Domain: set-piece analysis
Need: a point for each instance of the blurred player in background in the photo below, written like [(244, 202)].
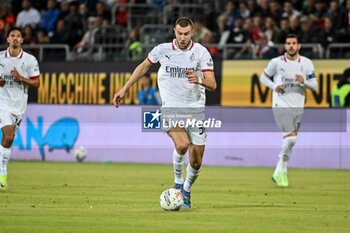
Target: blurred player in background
[(186, 70), (291, 74), (147, 95), (18, 71), (341, 92)]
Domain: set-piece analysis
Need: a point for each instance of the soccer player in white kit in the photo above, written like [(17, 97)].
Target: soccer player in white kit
[(18, 71), (292, 74), (186, 70)]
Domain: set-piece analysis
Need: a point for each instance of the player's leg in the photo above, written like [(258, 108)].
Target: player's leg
[(287, 147), (193, 170), (280, 174), (8, 134), (289, 123), (196, 152), (181, 143), (194, 166)]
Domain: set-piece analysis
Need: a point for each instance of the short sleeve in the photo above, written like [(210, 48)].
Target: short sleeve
[(154, 55), (206, 61), (34, 70), (270, 70)]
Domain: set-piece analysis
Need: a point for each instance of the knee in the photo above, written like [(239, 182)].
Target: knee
[(196, 163), (182, 147), (8, 140), (290, 134)]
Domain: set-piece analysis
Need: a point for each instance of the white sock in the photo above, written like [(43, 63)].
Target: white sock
[(284, 155), (191, 177), (179, 163), (278, 168), (5, 154)]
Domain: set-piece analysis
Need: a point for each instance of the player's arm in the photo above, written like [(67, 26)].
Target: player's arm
[(207, 68), (266, 78), (208, 81), (310, 81), (139, 71), (32, 82)]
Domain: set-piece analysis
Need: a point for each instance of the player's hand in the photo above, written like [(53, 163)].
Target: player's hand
[(299, 78), (118, 97), (15, 74), (280, 88), (2, 82), (192, 77)]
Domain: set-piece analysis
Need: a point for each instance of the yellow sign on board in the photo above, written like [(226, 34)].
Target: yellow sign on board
[(241, 85), (85, 88)]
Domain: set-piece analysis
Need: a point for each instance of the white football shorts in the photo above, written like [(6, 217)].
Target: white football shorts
[(288, 119), (197, 136), (7, 118)]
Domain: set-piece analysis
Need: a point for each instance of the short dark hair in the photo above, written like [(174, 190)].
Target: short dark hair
[(346, 73), (292, 35), (184, 21), (148, 76), (14, 29)]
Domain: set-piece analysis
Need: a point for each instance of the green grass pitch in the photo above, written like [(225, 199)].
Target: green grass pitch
[(49, 197)]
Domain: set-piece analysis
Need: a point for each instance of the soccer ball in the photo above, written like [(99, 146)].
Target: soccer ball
[(171, 199), (80, 153)]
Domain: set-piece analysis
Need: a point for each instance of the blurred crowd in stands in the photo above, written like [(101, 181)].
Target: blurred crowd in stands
[(83, 24)]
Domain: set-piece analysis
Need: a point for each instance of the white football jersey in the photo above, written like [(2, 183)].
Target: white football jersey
[(283, 71), (174, 87), (14, 95)]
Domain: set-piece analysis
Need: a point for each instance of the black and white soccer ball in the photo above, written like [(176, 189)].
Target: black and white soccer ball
[(80, 153)]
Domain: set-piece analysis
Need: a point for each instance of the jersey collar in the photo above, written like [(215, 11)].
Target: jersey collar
[(286, 59), (20, 55), (173, 44)]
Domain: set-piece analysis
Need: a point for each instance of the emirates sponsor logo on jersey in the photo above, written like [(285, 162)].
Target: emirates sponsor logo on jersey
[(288, 80), (10, 80), (177, 71)]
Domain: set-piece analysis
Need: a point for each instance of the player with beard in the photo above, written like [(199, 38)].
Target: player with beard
[(18, 71), (288, 76), (186, 71)]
